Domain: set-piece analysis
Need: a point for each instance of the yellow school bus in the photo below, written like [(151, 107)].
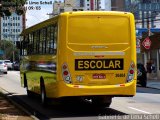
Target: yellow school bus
[(88, 55)]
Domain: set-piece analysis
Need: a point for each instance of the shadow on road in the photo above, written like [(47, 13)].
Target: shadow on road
[(81, 110), (63, 110)]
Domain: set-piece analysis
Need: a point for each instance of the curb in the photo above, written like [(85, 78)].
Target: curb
[(6, 95), (152, 87)]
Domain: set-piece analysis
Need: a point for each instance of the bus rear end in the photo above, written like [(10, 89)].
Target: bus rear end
[(97, 54)]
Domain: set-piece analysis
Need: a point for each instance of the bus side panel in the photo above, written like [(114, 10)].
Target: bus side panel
[(45, 70), (37, 67)]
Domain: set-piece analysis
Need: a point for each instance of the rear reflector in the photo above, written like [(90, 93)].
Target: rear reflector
[(131, 71), (64, 67), (132, 65), (66, 74), (122, 85)]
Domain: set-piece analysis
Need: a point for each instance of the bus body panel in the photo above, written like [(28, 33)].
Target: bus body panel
[(76, 47), (103, 62), (91, 44), (66, 90)]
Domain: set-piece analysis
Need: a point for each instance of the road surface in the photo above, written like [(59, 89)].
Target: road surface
[(146, 101)]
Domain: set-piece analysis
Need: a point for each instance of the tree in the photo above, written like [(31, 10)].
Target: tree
[(8, 47), (9, 6)]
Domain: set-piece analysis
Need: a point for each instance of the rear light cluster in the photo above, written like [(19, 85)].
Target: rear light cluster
[(5, 65), (66, 74), (131, 72)]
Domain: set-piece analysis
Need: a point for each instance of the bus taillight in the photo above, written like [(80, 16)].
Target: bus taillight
[(64, 66), (66, 74), (131, 72)]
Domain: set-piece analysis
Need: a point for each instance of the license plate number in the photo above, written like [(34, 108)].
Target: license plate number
[(99, 76)]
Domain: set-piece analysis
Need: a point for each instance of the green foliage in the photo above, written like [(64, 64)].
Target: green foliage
[(7, 13), (19, 12), (9, 6), (8, 47), (20, 2)]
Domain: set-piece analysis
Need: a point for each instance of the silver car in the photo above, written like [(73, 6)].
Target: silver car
[(9, 64), (3, 67)]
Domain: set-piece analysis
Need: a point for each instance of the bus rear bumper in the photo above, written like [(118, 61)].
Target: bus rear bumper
[(123, 90)]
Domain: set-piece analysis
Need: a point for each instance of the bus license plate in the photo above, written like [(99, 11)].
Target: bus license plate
[(99, 76)]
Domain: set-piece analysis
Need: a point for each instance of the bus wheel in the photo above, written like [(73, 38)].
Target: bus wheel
[(29, 94), (43, 92), (102, 101), (25, 81), (5, 72)]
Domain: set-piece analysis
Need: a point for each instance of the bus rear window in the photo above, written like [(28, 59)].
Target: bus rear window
[(98, 29)]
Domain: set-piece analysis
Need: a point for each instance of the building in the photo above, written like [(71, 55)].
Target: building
[(12, 26), (57, 8), (117, 5), (75, 5), (147, 14), (92, 4), (107, 5), (114, 5), (145, 11)]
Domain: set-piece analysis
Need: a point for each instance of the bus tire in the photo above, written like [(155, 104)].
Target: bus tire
[(29, 93), (102, 101), (25, 81), (43, 93)]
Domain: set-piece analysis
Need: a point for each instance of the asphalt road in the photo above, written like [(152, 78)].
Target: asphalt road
[(146, 101)]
